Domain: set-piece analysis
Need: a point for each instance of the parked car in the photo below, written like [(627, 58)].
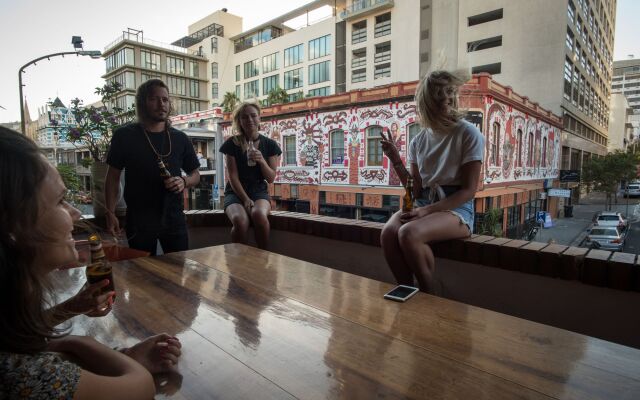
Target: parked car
[(632, 190), (610, 218), (605, 238)]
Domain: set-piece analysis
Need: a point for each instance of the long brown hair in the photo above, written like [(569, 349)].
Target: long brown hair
[(430, 96), (24, 288), (141, 99), (239, 138)]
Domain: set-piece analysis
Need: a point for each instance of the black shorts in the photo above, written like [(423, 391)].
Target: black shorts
[(255, 192)]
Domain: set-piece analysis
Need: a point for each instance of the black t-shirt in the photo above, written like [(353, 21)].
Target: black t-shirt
[(149, 204), (249, 176)]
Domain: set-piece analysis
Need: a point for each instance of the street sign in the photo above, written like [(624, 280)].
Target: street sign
[(559, 192), (540, 217), (569, 175)]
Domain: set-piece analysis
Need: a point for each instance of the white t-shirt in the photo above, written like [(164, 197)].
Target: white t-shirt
[(440, 156)]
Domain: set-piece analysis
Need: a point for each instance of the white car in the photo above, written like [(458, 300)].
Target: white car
[(632, 190), (611, 219), (605, 238)]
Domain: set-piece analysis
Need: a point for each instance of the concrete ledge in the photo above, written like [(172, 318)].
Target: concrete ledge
[(592, 267)]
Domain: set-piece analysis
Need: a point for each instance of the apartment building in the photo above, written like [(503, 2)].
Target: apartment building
[(132, 59), (626, 80), (620, 126)]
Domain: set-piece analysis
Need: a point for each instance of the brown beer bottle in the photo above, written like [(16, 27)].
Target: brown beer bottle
[(407, 200), (164, 172), (99, 269)]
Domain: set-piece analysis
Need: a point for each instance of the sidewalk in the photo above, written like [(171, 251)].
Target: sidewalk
[(572, 231)]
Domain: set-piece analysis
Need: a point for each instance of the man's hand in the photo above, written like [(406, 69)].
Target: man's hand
[(113, 225), (174, 184)]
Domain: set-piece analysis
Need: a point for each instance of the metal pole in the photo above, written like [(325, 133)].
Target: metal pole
[(90, 53)]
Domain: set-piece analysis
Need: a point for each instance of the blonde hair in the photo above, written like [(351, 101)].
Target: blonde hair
[(239, 139), (430, 97)]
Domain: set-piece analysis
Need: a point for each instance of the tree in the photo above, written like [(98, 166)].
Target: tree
[(229, 102), (492, 223), (94, 126), (604, 174), (69, 177), (277, 95)]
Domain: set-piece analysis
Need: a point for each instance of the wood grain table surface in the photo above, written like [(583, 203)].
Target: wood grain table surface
[(259, 325)]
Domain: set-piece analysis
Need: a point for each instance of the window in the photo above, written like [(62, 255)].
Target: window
[(485, 17), (293, 79), (238, 91), (382, 71), (483, 44), (494, 144), (544, 152), (175, 65), (568, 67), (492, 69), (270, 63), (177, 85), (571, 11), (127, 80), (214, 45), (294, 55), (194, 71), (569, 39), (319, 47), (295, 96), (359, 58), (145, 77), (576, 86), (121, 57), (359, 32), (383, 52), (358, 75), (323, 91), (374, 146), (383, 25), (337, 147), (412, 131), (269, 83), (289, 150), (519, 154), (251, 89), (530, 150), (214, 70), (251, 69), (214, 90), (237, 73), (319, 72), (194, 88), (150, 60)]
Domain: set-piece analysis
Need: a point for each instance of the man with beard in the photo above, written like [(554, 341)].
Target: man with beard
[(160, 164)]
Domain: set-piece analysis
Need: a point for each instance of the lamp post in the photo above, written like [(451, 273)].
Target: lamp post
[(77, 44)]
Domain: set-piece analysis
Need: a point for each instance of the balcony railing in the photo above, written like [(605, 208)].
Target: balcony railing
[(359, 8)]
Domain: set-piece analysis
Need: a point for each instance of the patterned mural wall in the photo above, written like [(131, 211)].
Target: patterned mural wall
[(342, 146)]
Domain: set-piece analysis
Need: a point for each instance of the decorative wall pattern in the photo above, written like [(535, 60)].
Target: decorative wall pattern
[(526, 148)]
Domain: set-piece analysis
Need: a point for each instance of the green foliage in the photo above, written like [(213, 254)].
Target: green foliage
[(277, 96), (603, 174), (229, 102), (69, 177), (492, 223), (94, 125)]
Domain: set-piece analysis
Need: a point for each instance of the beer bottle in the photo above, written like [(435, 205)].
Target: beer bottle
[(164, 172), (251, 149), (407, 200), (99, 269)]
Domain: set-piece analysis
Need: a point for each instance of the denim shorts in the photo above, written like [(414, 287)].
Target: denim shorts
[(255, 192), (464, 212)]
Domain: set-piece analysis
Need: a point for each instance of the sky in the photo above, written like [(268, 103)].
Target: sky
[(33, 28)]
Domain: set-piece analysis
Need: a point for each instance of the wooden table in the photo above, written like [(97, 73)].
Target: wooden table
[(258, 325)]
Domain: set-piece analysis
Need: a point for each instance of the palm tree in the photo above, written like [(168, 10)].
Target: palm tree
[(229, 101), (277, 96)]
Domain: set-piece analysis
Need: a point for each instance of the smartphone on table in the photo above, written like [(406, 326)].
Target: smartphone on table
[(401, 293)]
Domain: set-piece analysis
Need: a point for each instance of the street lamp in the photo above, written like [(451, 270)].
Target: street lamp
[(77, 44)]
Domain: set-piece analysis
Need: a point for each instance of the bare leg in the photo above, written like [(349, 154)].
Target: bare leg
[(393, 253), (240, 220), (414, 236), (259, 215)]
